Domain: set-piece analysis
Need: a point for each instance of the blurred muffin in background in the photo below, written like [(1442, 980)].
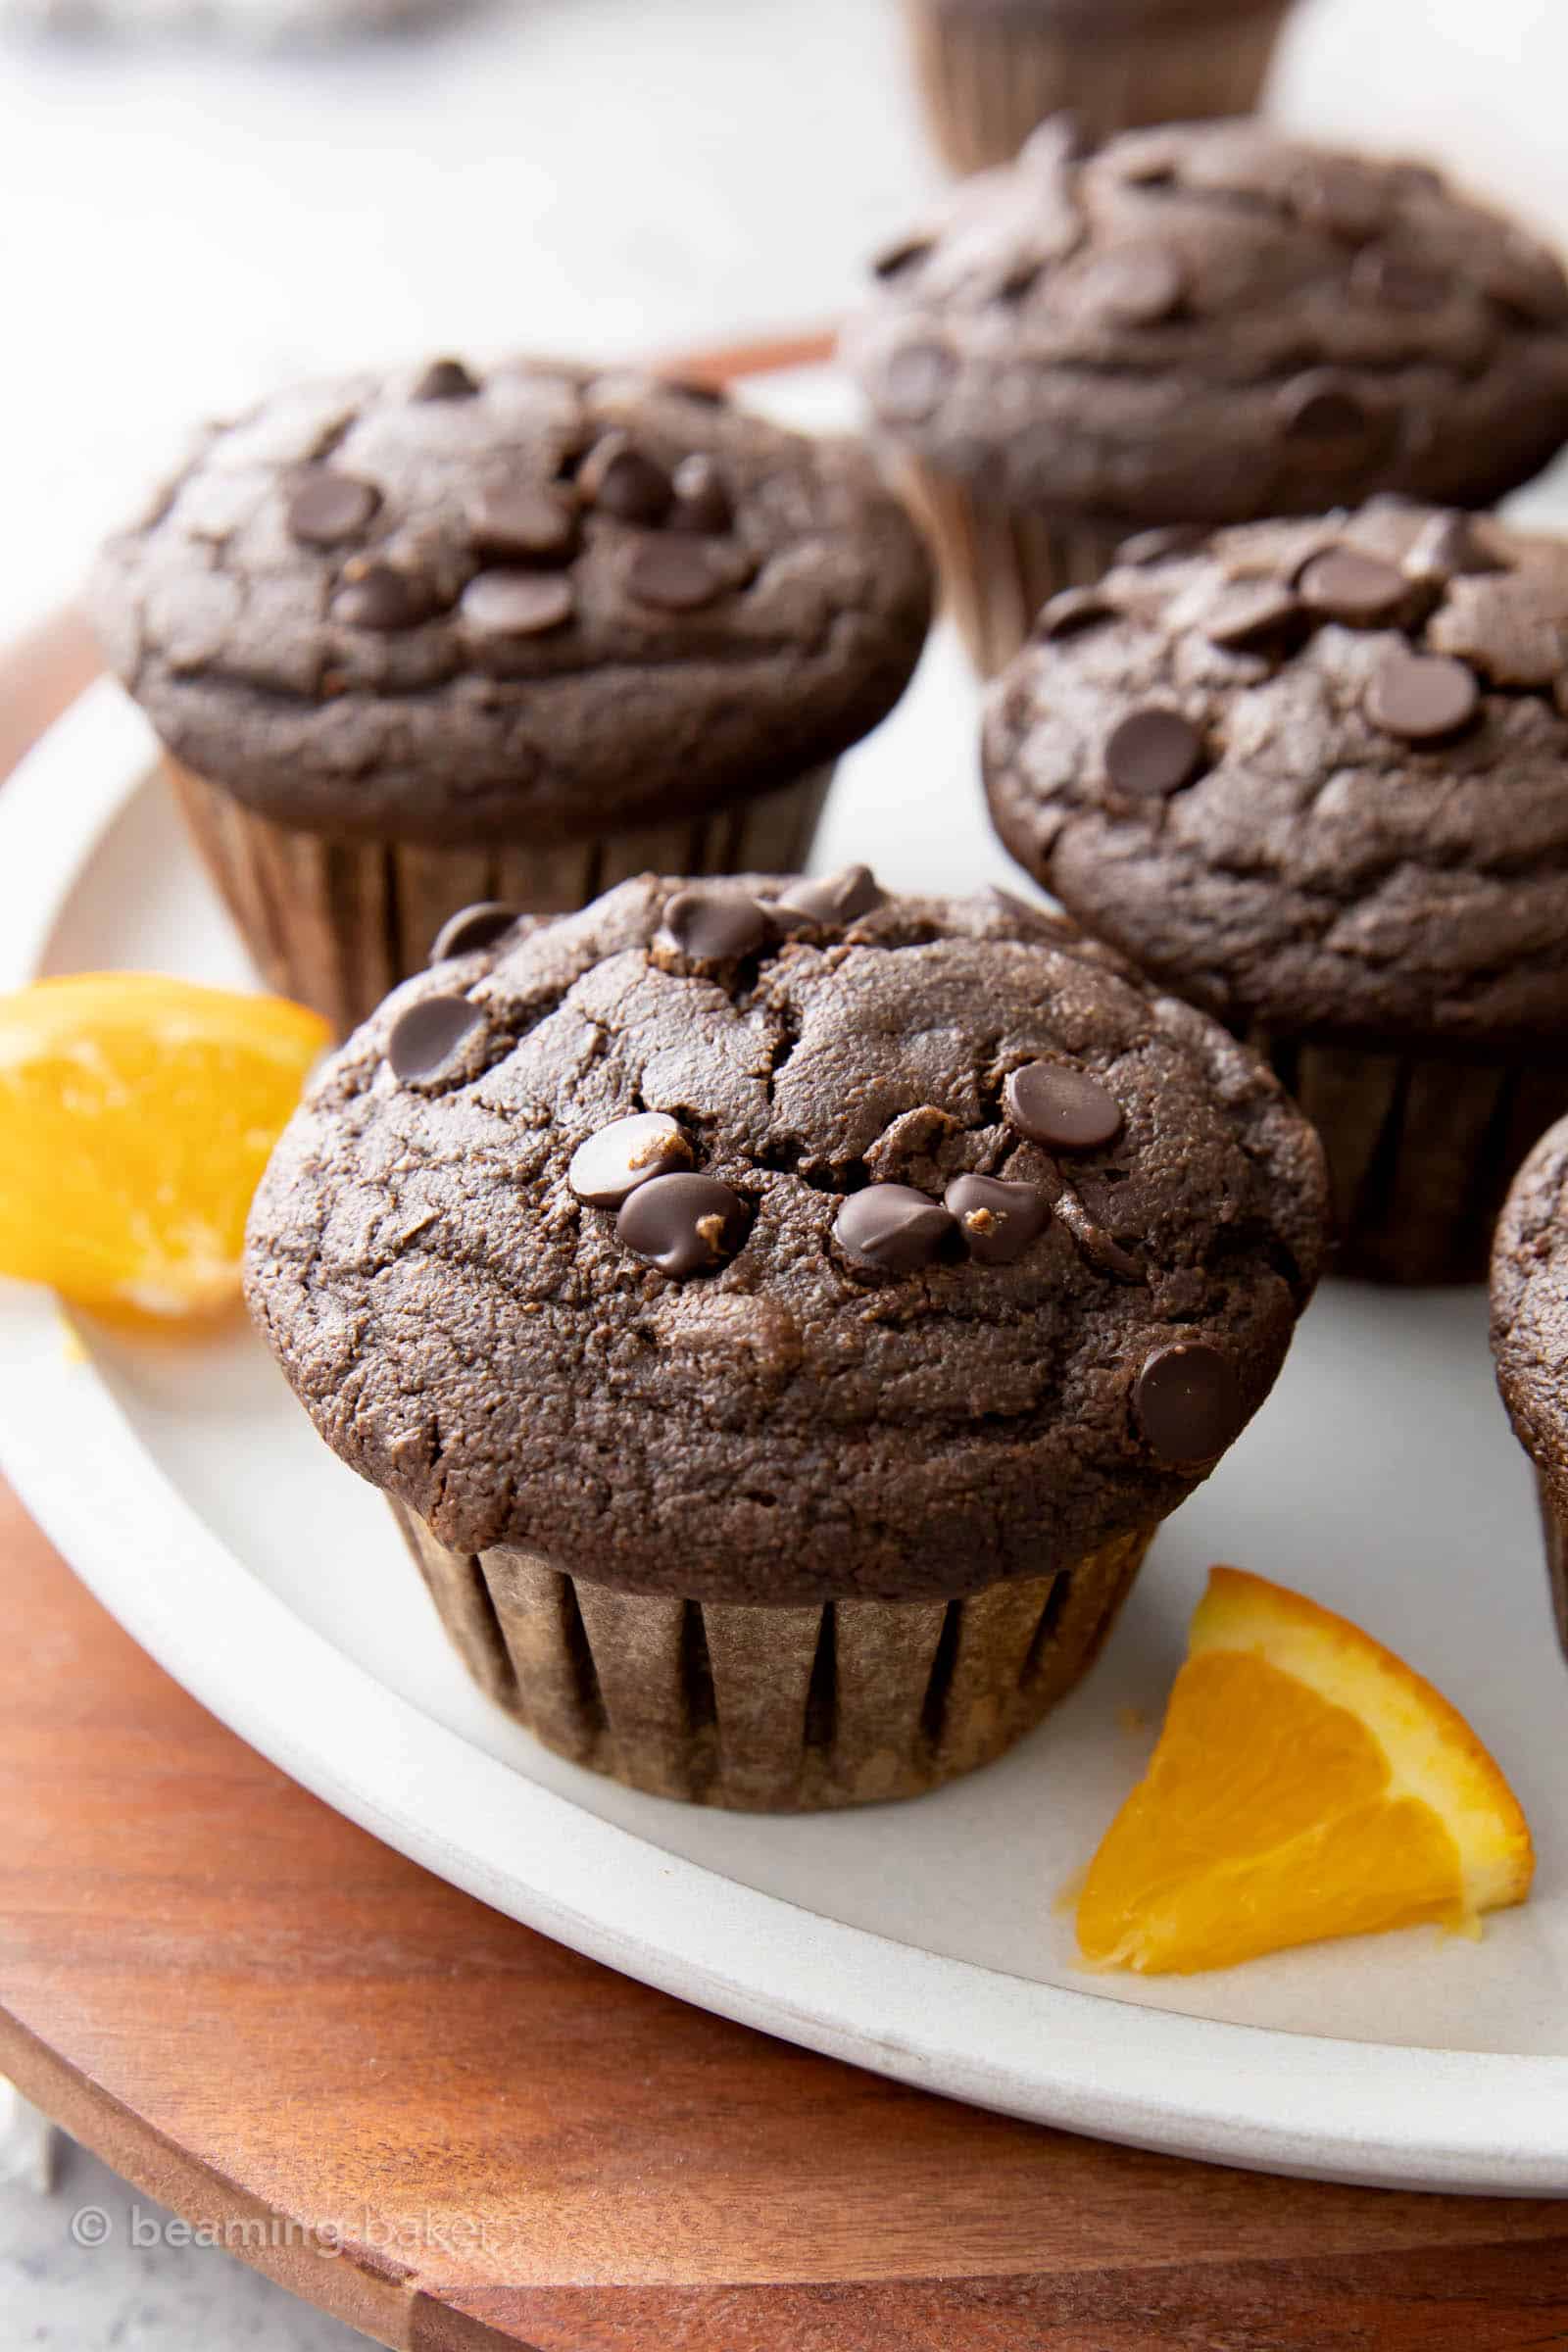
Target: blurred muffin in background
[(989, 71), (1530, 1339), (420, 641), (1193, 326)]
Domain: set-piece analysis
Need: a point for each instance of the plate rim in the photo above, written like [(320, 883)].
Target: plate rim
[(1259, 2097)]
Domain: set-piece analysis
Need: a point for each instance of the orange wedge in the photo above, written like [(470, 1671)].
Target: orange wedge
[(1306, 1784), (136, 1115)]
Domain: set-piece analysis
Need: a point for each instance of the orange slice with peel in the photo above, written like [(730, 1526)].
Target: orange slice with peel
[(1306, 1784), (136, 1115)]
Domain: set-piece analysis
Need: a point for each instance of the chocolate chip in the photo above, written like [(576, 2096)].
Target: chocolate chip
[(445, 379), (618, 479), (998, 1221), (893, 1227), (902, 256), (1447, 549), (428, 1034), (1383, 278), (327, 506), (834, 898), (609, 1166), (375, 596), (1154, 753), (1138, 286), (916, 379), (517, 604), (1188, 1403), (683, 1224), (1251, 614), (680, 575), (714, 926), (1063, 1109), (1344, 584), (1069, 611), (1320, 411), (1422, 697), (701, 503), (472, 928), (519, 520), (1158, 546)]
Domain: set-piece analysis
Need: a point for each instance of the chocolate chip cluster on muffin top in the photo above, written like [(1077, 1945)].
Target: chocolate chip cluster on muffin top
[(775, 1239), (444, 604), (1311, 774), (1214, 320)]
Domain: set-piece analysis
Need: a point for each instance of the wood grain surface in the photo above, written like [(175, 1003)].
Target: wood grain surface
[(457, 2134)]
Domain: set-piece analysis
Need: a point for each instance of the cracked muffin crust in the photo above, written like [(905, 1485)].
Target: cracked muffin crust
[(440, 607), (1530, 1337), (796, 1244)]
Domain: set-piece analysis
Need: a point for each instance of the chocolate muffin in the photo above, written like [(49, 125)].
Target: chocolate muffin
[(417, 641), (781, 1314), (1309, 776), (989, 71), (1530, 1337), (1195, 327)]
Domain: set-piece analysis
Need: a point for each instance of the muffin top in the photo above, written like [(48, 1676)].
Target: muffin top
[(1211, 322), (770, 1240), (1529, 1307), (440, 607), (1311, 774)]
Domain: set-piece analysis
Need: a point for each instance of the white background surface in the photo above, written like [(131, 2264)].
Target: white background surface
[(580, 175)]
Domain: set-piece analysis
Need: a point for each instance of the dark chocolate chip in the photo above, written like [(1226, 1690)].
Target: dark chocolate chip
[(472, 928), (701, 503), (893, 1227), (1188, 1403), (1448, 549), (1320, 411), (375, 596), (683, 1224), (1060, 1109), (1069, 611), (520, 521), (1344, 584), (428, 1034), (445, 380), (517, 604), (1422, 697), (916, 379), (618, 479), (1382, 278), (327, 506), (1154, 753), (836, 898), (609, 1166), (678, 574), (1158, 546), (1251, 614), (714, 926), (998, 1221), (1138, 286), (902, 256)]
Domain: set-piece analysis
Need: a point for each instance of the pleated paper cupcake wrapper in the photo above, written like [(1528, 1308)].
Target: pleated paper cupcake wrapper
[(785, 1711), (1555, 1526), (1421, 1149), (1000, 564), (336, 923), (990, 72)]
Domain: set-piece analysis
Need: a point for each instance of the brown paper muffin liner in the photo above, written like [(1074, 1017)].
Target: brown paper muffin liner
[(336, 923), (771, 1710), (1421, 1149), (989, 74), (1555, 1526), (1000, 564)]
